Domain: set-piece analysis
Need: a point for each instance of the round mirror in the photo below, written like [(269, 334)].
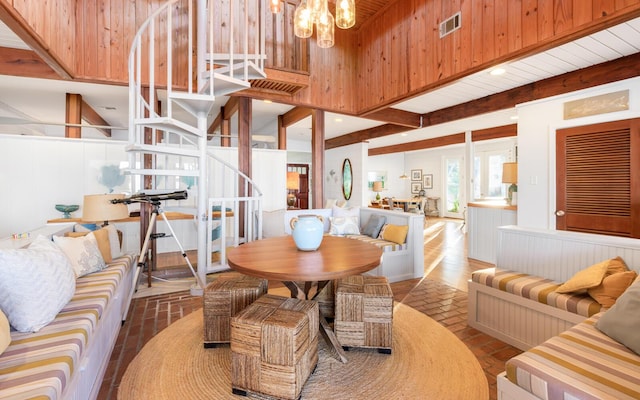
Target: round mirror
[(347, 179)]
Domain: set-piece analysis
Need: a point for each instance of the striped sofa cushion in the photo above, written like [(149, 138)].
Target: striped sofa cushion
[(538, 289), (383, 244), (40, 365), (580, 363)]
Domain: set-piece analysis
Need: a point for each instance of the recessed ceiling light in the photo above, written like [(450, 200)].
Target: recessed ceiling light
[(267, 101), (403, 134), (497, 71), (513, 117), (338, 119)]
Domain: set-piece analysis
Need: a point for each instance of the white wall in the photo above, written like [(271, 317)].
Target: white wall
[(39, 172), (537, 124), (394, 166), (333, 160)]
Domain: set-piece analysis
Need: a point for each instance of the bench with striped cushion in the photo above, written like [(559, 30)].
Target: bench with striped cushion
[(41, 364), (385, 245), (537, 289), (580, 363)]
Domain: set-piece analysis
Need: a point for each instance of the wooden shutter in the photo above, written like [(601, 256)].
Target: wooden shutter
[(595, 179)]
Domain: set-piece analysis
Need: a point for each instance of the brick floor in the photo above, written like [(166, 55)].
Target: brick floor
[(444, 304)]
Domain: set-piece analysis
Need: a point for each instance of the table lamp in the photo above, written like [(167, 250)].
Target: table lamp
[(377, 187), (510, 175), (293, 184), (98, 207)]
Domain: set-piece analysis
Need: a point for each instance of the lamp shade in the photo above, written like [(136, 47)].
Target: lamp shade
[(377, 186), (510, 172), (98, 208), (293, 181)]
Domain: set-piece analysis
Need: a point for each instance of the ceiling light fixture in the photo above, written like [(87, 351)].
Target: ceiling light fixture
[(497, 71), (274, 6), (317, 11)]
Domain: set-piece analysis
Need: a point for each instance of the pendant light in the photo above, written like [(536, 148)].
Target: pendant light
[(345, 13), (325, 27), (303, 21)]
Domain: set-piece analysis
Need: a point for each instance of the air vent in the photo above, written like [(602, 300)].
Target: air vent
[(450, 25)]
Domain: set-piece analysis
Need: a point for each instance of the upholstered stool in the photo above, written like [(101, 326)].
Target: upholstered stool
[(225, 297), (364, 312), (274, 346)]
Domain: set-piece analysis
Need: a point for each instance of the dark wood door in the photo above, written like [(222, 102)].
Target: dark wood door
[(302, 196), (598, 178)]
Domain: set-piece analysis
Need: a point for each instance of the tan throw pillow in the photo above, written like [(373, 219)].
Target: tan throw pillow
[(612, 287), (585, 279), (394, 233), (616, 265), (104, 244), (5, 332)]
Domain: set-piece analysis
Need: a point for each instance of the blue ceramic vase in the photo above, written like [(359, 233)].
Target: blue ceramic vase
[(307, 231)]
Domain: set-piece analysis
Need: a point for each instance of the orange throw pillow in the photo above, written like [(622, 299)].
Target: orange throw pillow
[(612, 287)]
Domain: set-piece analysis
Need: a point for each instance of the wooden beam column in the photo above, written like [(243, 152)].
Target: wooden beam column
[(282, 134), (225, 129), (244, 152), (317, 157), (73, 115)]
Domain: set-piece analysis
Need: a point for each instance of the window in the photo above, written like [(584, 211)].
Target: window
[(487, 174)]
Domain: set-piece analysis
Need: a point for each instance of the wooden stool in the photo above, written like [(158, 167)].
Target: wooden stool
[(225, 297), (364, 313), (274, 346)]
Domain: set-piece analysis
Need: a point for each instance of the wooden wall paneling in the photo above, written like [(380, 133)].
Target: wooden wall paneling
[(582, 12), (501, 27), (119, 53), (456, 39), (562, 15), (529, 22), (129, 30), (476, 31), (89, 39), (464, 35), (103, 18), (434, 52), (445, 48), (545, 19), (488, 31), (514, 25), (603, 7), (418, 46)]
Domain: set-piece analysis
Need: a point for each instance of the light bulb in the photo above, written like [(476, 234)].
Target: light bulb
[(345, 13), (274, 6), (302, 21), (325, 26)]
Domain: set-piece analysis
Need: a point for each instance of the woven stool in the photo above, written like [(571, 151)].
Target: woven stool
[(326, 300), (225, 297), (274, 346), (364, 313)]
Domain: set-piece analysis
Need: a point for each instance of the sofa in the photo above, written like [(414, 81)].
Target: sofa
[(400, 261), (567, 354), (67, 357)]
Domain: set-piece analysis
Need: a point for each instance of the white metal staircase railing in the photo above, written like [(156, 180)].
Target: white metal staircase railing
[(176, 137)]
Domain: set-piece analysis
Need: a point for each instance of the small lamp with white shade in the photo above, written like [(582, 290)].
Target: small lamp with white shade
[(510, 175), (99, 208)]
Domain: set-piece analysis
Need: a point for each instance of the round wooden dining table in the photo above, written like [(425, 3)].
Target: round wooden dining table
[(279, 259)]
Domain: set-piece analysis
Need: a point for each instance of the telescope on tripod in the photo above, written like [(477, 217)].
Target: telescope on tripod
[(154, 200)]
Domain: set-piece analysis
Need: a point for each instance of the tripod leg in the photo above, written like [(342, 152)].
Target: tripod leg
[(184, 254)]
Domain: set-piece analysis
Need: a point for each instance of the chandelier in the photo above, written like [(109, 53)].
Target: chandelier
[(316, 12)]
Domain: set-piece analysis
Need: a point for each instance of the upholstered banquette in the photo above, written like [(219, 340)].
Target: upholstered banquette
[(63, 346), (559, 296)]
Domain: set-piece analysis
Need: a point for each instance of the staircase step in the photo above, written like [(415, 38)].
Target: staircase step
[(170, 125), (196, 104), (162, 149), (253, 71), (162, 172), (223, 84)]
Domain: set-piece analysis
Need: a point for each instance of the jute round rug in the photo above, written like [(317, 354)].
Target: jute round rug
[(428, 362)]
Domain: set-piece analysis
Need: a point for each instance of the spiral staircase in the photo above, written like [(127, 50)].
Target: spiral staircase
[(170, 147)]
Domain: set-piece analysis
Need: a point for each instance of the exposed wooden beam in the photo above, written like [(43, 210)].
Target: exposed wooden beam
[(494, 133), (26, 63), (91, 116), (456, 138), (396, 117), (231, 107), (317, 155), (363, 135), (73, 115), (282, 134), (20, 27), (294, 115)]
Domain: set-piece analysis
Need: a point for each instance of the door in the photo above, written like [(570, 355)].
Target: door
[(302, 196), (598, 178), (452, 202)]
